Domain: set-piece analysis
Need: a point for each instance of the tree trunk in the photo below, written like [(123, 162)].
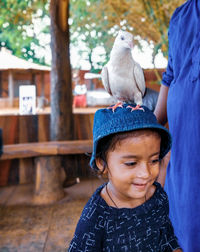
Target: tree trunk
[(61, 88), (48, 185)]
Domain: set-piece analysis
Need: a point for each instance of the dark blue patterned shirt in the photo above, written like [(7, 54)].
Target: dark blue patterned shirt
[(144, 228)]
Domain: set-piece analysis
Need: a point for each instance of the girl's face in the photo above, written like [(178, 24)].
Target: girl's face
[(133, 166)]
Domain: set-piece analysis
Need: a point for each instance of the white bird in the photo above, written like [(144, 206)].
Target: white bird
[(122, 77)]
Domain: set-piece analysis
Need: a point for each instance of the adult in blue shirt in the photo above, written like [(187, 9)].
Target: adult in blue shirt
[(179, 101)]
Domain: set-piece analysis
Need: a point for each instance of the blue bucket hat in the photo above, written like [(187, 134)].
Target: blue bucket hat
[(127, 117)]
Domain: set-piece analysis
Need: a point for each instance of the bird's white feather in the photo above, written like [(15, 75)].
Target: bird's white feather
[(139, 77), (105, 79), (122, 77)]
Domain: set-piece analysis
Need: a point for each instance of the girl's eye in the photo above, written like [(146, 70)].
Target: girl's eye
[(155, 161), (122, 37), (130, 163)]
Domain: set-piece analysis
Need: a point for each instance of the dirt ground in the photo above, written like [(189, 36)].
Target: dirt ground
[(25, 227)]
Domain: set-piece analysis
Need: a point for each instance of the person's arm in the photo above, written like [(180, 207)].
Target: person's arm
[(161, 106), (161, 115)]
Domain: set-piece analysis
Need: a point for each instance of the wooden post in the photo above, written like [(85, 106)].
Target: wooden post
[(62, 125), (42, 84), (33, 78), (26, 170), (1, 84), (49, 188), (10, 88)]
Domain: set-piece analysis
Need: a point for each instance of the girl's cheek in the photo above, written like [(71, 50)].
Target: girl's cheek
[(156, 171)]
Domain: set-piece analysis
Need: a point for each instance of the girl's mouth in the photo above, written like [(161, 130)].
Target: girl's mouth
[(140, 185)]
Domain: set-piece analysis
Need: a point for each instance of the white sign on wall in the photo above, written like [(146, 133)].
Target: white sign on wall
[(27, 99)]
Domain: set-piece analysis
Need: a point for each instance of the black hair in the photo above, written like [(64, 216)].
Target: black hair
[(109, 142)]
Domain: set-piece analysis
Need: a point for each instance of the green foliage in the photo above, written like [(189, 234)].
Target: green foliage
[(87, 30), (16, 27), (93, 24)]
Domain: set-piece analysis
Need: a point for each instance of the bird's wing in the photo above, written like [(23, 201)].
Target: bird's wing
[(139, 77), (105, 79)]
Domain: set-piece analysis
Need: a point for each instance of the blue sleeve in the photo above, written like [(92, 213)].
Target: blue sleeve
[(87, 237), (168, 76)]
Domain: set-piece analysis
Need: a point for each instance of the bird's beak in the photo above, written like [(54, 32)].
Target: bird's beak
[(131, 45)]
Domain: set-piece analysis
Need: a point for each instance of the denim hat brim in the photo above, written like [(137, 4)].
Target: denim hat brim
[(123, 119)]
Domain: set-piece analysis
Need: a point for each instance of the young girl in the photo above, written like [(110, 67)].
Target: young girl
[(130, 212)]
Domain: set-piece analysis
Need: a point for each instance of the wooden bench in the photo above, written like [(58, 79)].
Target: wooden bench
[(51, 148), (47, 164)]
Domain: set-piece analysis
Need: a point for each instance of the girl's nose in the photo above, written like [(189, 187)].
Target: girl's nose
[(143, 171)]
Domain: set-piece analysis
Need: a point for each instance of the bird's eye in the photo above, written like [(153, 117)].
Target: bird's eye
[(122, 37)]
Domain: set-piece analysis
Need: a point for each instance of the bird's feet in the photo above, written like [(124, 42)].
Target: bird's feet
[(135, 108), (117, 105)]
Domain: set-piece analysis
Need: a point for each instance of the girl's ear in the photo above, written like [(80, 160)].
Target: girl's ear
[(101, 165)]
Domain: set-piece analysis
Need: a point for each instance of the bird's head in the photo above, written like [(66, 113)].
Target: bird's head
[(124, 39)]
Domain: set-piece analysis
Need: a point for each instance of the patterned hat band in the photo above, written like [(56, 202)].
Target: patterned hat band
[(126, 117)]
